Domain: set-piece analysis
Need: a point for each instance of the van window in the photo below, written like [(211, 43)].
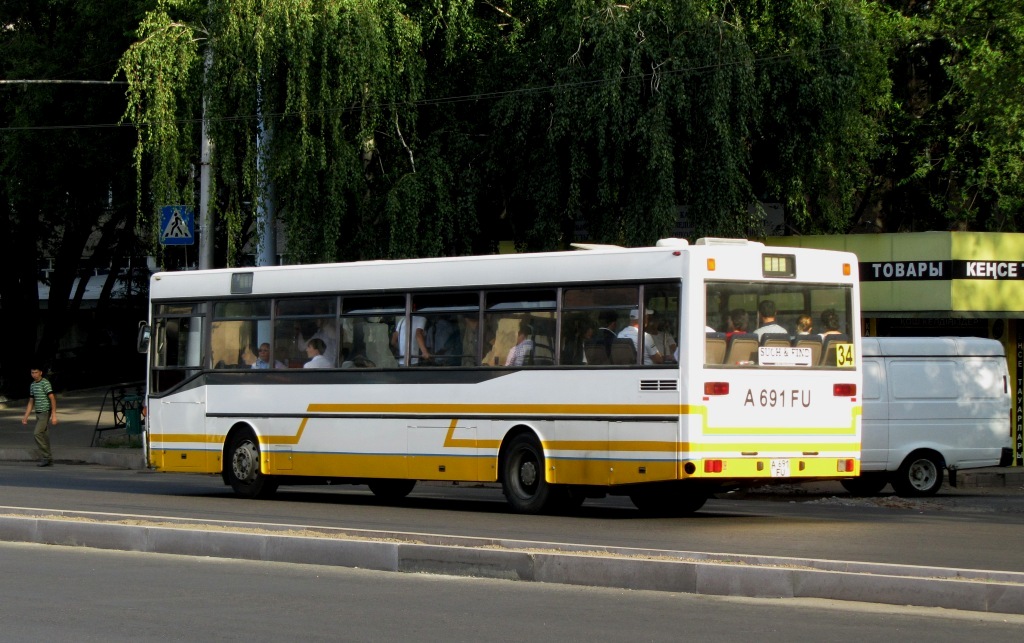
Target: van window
[(924, 379)]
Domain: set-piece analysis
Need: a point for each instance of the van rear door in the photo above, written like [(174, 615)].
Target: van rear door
[(875, 420)]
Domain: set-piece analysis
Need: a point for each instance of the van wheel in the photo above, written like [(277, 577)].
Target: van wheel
[(868, 484), (919, 475)]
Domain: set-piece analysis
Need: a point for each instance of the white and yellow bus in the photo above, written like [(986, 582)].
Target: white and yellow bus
[(528, 370)]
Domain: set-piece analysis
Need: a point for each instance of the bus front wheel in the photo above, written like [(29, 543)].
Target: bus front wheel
[(522, 477), (242, 468)]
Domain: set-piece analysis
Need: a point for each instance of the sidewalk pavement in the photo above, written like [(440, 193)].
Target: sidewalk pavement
[(78, 415)]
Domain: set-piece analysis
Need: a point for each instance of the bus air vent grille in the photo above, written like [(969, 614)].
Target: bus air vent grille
[(659, 385)]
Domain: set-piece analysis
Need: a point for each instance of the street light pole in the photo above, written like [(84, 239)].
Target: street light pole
[(205, 217)]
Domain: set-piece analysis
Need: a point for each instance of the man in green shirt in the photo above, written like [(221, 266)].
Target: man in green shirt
[(42, 400)]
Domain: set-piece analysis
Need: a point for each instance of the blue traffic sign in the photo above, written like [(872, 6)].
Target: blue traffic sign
[(177, 225)]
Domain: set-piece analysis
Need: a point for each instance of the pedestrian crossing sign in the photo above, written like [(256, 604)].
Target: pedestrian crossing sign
[(177, 225)]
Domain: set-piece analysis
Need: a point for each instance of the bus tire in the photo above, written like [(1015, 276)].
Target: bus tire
[(868, 484), (522, 476), (242, 467), (391, 490), (919, 475), (662, 501), (566, 498)]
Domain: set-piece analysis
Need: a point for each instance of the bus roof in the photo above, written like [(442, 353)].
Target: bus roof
[(669, 260)]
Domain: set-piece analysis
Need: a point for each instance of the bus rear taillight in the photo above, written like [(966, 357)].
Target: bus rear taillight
[(716, 388), (712, 466), (844, 390), (846, 466)]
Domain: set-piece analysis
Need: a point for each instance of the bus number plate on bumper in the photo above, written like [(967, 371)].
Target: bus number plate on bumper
[(780, 468)]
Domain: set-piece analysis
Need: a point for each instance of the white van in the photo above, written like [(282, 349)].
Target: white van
[(931, 403)]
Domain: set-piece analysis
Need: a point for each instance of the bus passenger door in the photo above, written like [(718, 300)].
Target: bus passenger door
[(182, 418), (177, 405)]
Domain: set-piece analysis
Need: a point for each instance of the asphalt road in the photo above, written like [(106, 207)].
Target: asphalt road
[(62, 593), (972, 529)]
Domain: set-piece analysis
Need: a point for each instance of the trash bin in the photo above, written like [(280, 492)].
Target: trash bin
[(132, 414)]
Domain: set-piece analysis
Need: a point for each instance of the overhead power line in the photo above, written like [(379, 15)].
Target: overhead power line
[(62, 82), (449, 100)]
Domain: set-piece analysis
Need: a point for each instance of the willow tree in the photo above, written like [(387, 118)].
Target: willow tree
[(611, 115), (332, 80), (440, 127)]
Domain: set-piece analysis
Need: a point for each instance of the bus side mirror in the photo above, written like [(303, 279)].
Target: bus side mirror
[(142, 342)]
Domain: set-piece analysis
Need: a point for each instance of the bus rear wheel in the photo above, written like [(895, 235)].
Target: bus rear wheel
[(522, 476), (868, 484), (668, 501), (391, 490), (242, 468)]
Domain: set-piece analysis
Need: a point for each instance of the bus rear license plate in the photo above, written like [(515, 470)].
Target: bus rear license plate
[(780, 468)]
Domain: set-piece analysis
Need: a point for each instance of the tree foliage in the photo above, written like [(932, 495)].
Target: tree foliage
[(952, 151), (440, 126), (67, 189)]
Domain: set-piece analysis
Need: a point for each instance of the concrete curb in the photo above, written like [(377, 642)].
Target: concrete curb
[(120, 458), (673, 571)]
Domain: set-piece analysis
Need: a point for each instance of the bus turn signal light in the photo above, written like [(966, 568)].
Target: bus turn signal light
[(716, 388), (844, 390), (712, 466)]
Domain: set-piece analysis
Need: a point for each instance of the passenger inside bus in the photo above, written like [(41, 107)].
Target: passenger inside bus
[(804, 325), (324, 330), (766, 316), (830, 322), (315, 351), (521, 352), (632, 332), (579, 330), (658, 327), (400, 341), (263, 358), (737, 322)]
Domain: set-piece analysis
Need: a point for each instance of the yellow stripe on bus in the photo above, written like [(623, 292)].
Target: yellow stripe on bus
[(451, 441)]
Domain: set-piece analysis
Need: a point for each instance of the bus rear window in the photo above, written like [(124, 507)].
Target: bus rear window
[(802, 325)]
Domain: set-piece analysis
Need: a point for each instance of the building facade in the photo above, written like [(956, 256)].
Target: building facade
[(927, 284)]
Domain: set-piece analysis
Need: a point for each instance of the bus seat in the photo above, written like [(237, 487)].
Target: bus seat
[(714, 348), (541, 355), (812, 342), (742, 347), (828, 347), (775, 339), (597, 353), (623, 351)]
